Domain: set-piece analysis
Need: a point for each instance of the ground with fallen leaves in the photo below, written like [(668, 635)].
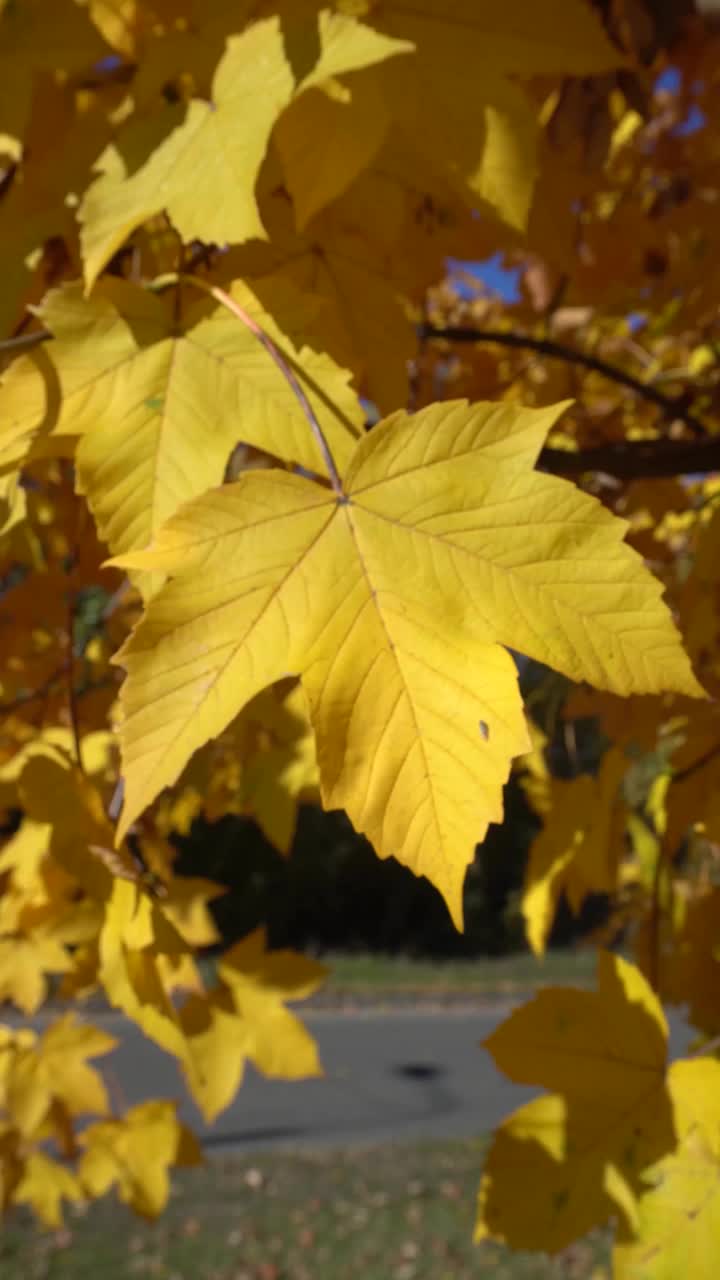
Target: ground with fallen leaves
[(382, 1213)]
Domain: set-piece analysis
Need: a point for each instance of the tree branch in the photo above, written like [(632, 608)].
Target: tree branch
[(673, 407), (635, 459)]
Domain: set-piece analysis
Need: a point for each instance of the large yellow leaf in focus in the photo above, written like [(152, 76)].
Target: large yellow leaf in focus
[(393, 603), (203, 174), (678, 1228), (160, 410), (135, 1154), (569, 1161), (579, 848)]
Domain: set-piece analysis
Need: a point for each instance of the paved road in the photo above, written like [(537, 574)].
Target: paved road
[(388, 1076)]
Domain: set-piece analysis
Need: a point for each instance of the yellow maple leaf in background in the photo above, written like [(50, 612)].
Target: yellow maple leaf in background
[(455, 100), (216, 1050), (44, 1185), (24, 963), (135, 933), (13, 506), (185, 904), (392, 601), (678, 1228), (55, 1069), (579, 848), (260, 983), (135, 1153), (263, 765), (568, 1161), (243, 1018), (328, 136), (221, 144)]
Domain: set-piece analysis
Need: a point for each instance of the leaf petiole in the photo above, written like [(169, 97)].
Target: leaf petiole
[(227, 301)]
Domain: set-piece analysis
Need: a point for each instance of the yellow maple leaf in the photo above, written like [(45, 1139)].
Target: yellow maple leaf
[(678, 1224), (326, 139), (283, 767), (24, 962), (454, 99), (135, 1154), (44, 1185), (244, 1018), (220, 145), (693, 968), (260, 984), (570, 1160), (24, 853), (217, 1045), (520, 38), (159, 412), (59, 145), (578, 850), (135, 933), (378, 244), (262, 765), (13, 506), (392, 600), (185, 905), (55, 1069)]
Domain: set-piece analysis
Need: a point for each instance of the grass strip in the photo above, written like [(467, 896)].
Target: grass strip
[(392, 1212)]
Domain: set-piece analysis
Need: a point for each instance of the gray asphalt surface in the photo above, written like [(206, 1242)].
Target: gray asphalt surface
[(404, 1074)]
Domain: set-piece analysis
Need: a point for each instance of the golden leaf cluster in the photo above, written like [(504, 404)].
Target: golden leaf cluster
[(233, 238)]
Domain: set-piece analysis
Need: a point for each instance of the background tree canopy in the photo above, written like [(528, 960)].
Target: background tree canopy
[(288, 498)]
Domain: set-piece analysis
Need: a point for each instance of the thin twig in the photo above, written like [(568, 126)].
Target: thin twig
[(24, 341), (700, 763), (709, 1046), (673, 407), (116, 599), (242, 315)]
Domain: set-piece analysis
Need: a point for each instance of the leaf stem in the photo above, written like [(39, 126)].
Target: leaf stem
[(24, 341), (702, 1050), (243, 316)]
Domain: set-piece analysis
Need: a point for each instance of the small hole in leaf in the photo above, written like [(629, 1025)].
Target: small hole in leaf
[(485, 731)]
